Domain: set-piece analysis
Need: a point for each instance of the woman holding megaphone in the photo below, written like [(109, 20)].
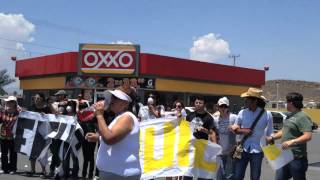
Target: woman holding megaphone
[(118, 154)]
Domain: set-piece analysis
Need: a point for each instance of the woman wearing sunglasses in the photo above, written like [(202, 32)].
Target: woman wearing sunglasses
[(179, 109), (227, 139)]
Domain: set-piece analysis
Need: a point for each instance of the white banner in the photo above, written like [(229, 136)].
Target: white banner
[(276, 156), (34, 131), (168, 148)]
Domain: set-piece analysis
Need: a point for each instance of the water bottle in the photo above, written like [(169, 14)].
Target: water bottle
[(86, 114)]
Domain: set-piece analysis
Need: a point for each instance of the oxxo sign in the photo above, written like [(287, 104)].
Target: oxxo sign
[(108, 59)]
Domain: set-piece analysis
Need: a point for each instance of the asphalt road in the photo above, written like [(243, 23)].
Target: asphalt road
[(313, 172)]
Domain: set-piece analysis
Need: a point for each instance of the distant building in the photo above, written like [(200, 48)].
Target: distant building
[(276, 104)]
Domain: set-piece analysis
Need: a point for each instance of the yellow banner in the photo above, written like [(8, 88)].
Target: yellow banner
[(168, 148), (276, 156)]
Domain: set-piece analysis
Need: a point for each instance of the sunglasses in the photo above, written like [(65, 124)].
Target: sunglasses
[(223, 106), (178, 106)]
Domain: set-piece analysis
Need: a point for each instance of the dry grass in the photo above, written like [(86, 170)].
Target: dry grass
[(313, 113)]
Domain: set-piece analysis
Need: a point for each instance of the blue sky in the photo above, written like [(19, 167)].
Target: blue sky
[(281, 34)]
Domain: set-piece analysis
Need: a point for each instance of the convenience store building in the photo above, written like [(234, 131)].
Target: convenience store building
[(97, 67)]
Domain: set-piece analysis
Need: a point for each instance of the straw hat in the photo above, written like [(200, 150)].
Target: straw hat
[(253, 92)]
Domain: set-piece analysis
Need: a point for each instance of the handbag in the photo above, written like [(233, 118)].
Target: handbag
[(237, 151)]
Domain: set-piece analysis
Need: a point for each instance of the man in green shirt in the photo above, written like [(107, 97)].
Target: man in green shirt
[(296, 132)]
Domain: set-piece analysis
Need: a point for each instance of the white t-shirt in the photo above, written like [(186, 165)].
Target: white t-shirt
[(121, 158)]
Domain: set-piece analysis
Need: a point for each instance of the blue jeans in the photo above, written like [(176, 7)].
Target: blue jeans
[(255, 160), (296, 169), (226, 170)]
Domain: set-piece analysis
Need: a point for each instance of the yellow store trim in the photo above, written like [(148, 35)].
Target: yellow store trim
[(109, 47), (199, 87), (43, 83)]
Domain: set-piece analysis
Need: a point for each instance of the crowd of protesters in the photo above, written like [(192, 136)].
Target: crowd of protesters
[(114, 128)]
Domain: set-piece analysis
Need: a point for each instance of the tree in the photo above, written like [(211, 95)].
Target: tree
[(5, 79)]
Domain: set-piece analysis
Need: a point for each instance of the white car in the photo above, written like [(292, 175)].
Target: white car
[(189, 109), (279, 117)]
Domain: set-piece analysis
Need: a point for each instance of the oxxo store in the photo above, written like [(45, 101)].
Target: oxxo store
[(97, 67)]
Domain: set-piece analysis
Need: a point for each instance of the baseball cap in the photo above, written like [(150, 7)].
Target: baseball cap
[(61, 92), (223, 100), (11, 98), (150, 100)]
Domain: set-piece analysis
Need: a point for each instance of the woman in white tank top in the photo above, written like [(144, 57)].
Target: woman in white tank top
[(118, 154)]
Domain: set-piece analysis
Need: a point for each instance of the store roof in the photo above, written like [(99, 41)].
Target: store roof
[(151, 65)]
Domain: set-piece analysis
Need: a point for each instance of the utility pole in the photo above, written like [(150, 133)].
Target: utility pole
[(233, 56), (277, 86)]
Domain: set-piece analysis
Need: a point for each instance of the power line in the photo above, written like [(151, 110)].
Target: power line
[(71, 29), (19, 50), (80, 31), (35, 44)]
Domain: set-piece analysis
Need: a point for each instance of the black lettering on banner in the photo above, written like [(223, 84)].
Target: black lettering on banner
[(70, 133), (22, 125), (61, 129), (40, 142), (80, 138), (54, 126)]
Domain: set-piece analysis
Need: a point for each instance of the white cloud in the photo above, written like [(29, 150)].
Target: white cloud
[(19, 46), (121, 42), (209, 48), (14, 29)]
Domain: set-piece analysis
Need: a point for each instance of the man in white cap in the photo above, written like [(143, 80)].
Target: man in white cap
[(151, 110), (254, 111), (8, 118), (227, 138)]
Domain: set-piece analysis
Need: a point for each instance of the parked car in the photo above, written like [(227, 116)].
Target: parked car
[(189, 109), (278, 118), (314, 126)]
